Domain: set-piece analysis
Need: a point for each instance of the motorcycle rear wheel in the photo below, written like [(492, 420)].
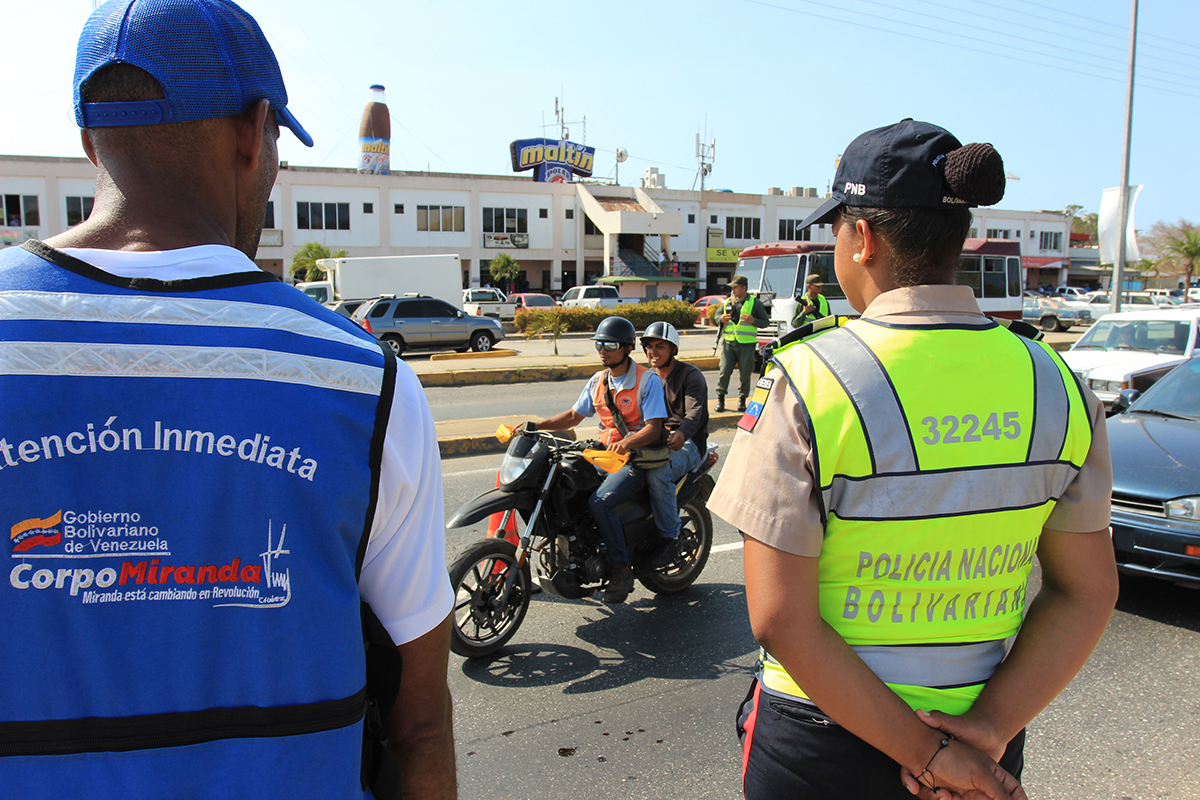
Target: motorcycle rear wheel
[(695, 542), (482, 624)]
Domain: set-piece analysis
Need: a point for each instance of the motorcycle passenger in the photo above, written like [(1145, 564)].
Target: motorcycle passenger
[(686, 394), (638, 394)]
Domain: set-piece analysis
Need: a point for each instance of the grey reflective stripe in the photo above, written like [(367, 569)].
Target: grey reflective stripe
[(93, 359), (870, 390), (1053, 408), (941, 665), (167, 310), (946, 493)]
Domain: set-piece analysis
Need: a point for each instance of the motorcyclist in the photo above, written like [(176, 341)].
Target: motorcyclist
[(686, 394), (637, 395)]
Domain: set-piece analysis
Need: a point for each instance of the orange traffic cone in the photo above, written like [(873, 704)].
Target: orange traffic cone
[(510, 530)]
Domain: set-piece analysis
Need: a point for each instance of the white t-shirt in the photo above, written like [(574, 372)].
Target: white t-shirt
[(403, 575)]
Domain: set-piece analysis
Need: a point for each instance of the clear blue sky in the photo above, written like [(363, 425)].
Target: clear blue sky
[(783, 85)]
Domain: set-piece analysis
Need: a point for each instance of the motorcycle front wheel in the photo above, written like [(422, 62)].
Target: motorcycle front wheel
[(483, 622), (695, 542)]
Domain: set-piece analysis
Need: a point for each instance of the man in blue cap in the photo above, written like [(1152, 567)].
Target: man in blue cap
[(189, 566)]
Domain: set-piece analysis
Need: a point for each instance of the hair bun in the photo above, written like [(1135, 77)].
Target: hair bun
[(975, 174)]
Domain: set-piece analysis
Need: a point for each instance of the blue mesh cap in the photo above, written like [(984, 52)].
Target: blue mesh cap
[(210, 57)]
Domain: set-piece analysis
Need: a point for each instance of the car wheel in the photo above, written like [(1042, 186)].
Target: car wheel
[(1049, 323), (395, 342), (481, 342)]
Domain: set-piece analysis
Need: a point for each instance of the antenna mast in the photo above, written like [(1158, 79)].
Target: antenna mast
[(705, 153), (560, 121)]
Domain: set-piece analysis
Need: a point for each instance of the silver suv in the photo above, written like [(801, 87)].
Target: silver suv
[(425, 323)]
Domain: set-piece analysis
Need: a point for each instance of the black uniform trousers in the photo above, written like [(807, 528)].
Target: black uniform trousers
[(792, 750)]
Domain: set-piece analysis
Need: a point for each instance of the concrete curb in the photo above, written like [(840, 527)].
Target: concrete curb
[(498, 353), (465, 444), (501, 375)]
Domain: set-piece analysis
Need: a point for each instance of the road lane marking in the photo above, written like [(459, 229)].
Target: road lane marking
[(721, 548), (470, 472)]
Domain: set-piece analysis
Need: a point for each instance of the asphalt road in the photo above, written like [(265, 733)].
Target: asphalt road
[(637, 700)]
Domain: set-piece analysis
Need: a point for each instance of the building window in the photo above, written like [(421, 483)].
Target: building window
[(743, 228), (973, 233), (570, 213), (589, 227), (505, 220), (78, 209), (441, 218), (368, 208), (323, 216), (712, 220), (999, 233), (21, 210), (790, 231), (268, 217), (1051, 240), (398, 208), (542, 213), (691, 219)]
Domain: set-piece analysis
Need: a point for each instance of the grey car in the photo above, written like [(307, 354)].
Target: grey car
[(1052, 314), (426, 323)]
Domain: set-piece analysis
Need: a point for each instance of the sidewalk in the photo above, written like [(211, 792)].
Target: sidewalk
[(508, 365)]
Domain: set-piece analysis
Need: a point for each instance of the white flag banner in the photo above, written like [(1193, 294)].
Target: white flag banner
[(1109, 226)]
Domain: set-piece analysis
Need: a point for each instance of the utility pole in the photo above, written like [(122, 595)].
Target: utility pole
[(705, 153), (1118, 281)]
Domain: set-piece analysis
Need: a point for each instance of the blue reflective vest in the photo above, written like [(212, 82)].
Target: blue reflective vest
[(188, 471)]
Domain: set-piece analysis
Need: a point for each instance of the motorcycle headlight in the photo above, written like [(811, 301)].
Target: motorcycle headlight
[(513, 467), (1184, 508)]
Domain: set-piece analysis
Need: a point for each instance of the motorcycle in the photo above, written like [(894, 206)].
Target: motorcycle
[(546, 481)]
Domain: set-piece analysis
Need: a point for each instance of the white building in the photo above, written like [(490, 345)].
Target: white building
[(562, 234)]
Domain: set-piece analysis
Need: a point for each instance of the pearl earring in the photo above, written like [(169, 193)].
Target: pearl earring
[(857, 257)]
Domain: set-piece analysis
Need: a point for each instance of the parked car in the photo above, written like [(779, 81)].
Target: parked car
[(528, 300), (705, 303), (488, 302), (1052, 314), (425, 323), (1133, 349), (1155, 446), (600, 296), (1072, 292)]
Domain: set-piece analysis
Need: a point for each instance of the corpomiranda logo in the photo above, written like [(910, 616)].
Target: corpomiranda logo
[(30, 533), (855, 188)]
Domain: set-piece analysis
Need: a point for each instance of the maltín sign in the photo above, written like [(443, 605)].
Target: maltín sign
[(556, 161)]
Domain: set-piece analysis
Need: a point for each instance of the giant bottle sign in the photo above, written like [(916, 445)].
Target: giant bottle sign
[(555, 161), (374, 135)]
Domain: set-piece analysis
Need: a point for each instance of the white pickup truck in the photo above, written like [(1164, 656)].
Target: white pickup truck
[(595, 297), (488, 303)]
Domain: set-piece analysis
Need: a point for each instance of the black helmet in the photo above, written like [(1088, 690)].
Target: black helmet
[(661, 330), (615, 329)]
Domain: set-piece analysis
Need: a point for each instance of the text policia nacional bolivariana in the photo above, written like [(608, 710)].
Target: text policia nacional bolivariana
[(917, 598), (256, 449)]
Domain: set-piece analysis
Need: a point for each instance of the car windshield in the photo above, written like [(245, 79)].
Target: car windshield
[(1150, 335), (1176, 395)]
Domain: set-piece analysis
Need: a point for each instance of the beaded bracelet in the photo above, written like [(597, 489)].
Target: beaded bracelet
[(941, 746)]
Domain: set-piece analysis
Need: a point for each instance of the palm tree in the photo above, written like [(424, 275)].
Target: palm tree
[(504, 269), (304, 262), (1183, 251)]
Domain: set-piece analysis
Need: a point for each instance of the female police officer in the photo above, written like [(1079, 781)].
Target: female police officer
[(893, 481)]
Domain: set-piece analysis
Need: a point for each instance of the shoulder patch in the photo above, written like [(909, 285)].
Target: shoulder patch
[(754, 408), (1020, 328), (805, 331)]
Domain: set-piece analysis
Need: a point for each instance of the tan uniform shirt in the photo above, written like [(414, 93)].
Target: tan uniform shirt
[(768, 489)]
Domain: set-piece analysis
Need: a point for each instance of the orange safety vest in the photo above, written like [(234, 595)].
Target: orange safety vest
[(628, 403)]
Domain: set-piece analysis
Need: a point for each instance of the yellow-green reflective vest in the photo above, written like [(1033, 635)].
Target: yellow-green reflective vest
[(735, 329), (941, 450)]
